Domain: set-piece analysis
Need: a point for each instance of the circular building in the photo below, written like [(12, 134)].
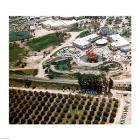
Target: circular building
[(101, 42)]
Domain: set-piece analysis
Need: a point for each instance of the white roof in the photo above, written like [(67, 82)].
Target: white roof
[(126, 48), (118, 41), (85, 40), (57, 23), (32, 27), (101, 41)]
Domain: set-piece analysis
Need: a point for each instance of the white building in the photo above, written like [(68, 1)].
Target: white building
[(58, 24), (118, 41), (85, 42)]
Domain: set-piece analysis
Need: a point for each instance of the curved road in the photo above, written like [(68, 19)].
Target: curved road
[(67, 42)]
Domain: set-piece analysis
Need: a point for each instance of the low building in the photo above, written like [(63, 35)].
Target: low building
[(58, 24), (85, 42), (126, 49), (118, 41)]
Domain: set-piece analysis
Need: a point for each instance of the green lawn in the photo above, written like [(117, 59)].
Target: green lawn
[(44, 42), (63, 64), (75, 29), (16, 36), (83, 34), (31, 72), (15, 54)]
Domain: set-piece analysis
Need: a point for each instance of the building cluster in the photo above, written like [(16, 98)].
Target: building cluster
[(58, 24), (114, 41)]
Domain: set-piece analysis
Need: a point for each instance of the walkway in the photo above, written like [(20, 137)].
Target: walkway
[(68, 42)]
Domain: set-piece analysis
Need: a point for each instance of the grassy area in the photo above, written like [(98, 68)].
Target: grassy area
[(83, 34), (63, 65), (31, 72), (16, 36), (53, 74), (15, 54), (75, 29), (45, 41)]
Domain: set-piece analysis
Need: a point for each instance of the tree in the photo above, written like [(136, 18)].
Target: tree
[(69, 115), (110, 85), (73, 121), (28, 83)]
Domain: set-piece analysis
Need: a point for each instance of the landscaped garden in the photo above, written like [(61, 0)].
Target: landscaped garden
[(63, 64), (32, 107), (31, 72), (16, 36), (40, 43), (83, 34), (16, 54)]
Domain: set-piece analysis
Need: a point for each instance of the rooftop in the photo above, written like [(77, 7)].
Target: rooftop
[(118, 41)]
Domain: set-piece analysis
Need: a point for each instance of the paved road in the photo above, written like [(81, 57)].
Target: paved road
[(63, 81)]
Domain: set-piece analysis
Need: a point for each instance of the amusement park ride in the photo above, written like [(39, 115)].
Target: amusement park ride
[(92, 56)]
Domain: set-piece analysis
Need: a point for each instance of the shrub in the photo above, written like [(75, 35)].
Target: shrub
[(52, 108), (81, 122), (73, 121), (58, 109), (76, 101), (76, 116), (109, 105), (46, 118), (92, 113), (95, 122), (106, 114), (73, 106), (89, 117), (51, 99), (99, 113), (55, 114), (60, 96), (102, 122), (89, 103), (88, 122), (69, 115), (85, 112), (65, 110), (100, 109), (93, 108), (57, 100), (107, 109), (104, 119), (82, 102), (59, 120), (61, 105), (70, 101), (53, 119), (39, 117), (111, 120), (63, 100), (62, 115), (113, 114), (97, 118), (87, 107), (80, 107), (54, 95)]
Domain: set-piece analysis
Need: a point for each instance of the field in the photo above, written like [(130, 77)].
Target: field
[(15, 54), (32, 107), (31, 72), (83, 34), (44, 42), (16, 36)]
